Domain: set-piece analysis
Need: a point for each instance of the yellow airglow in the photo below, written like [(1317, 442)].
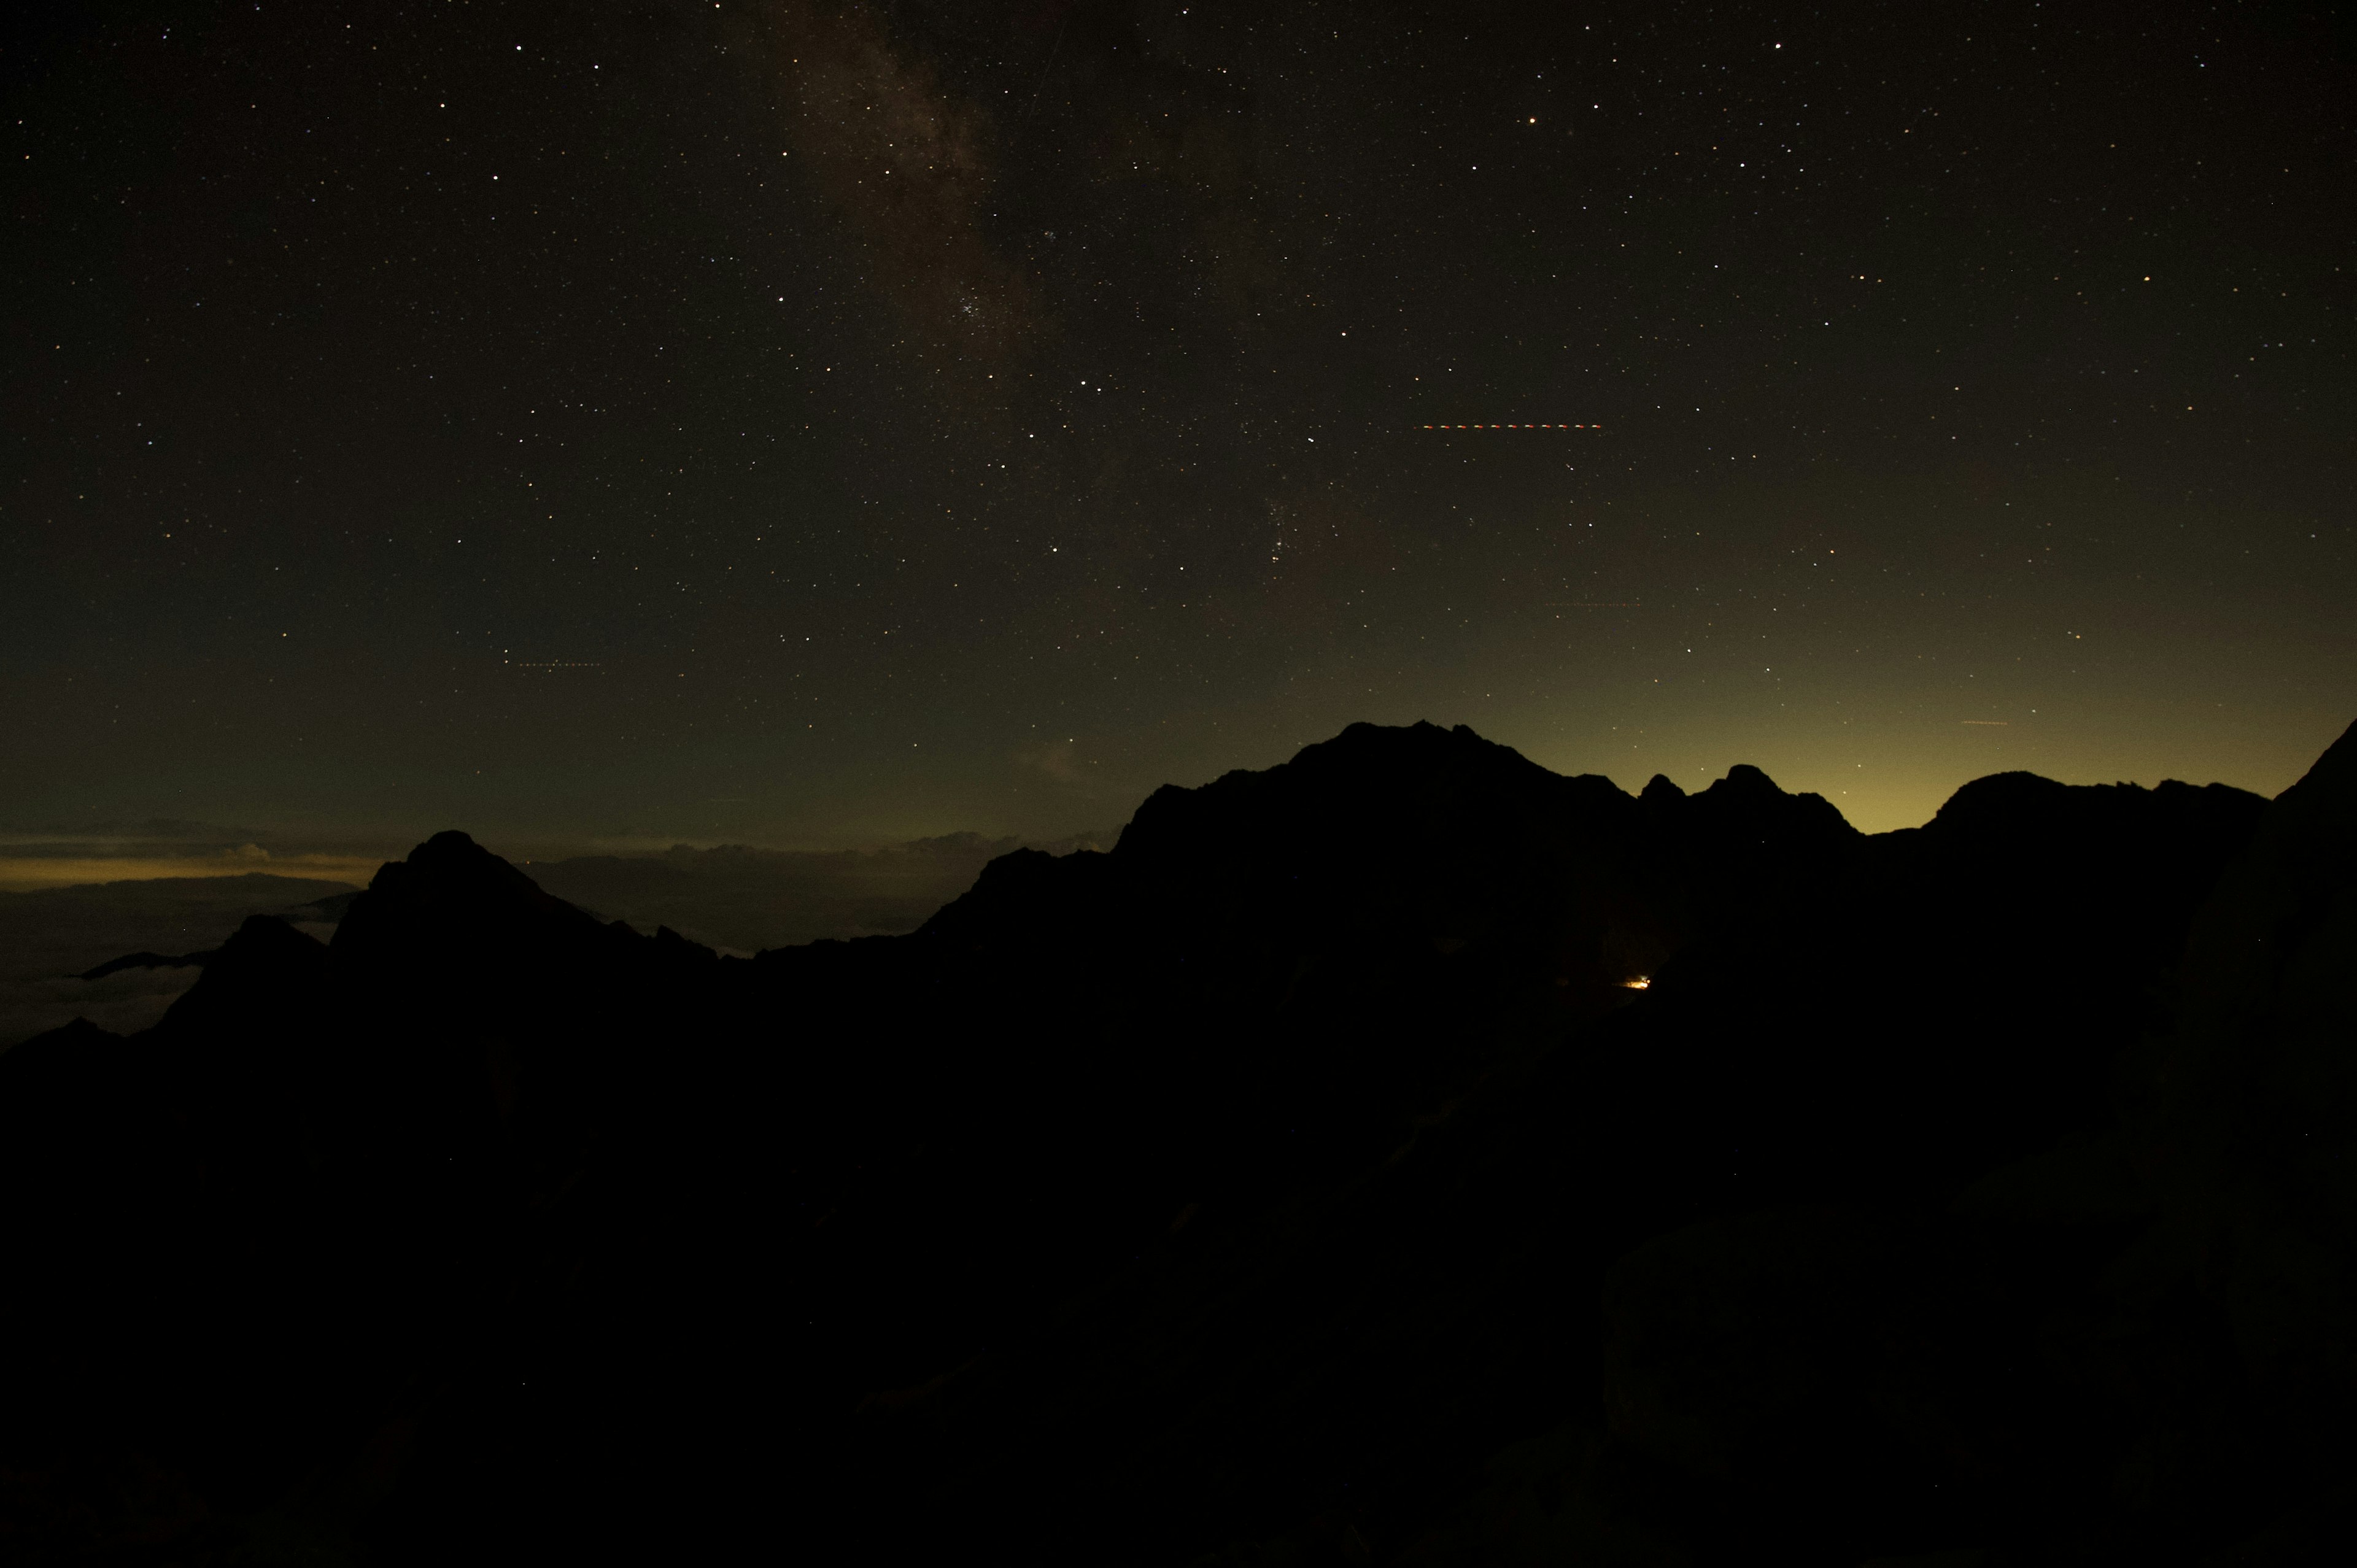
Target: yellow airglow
[(20, 874)]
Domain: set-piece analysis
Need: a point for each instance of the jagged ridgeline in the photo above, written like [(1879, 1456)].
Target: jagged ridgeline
[(1405, 1155)]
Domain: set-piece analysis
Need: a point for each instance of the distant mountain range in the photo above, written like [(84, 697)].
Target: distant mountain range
[(1405, 1156)]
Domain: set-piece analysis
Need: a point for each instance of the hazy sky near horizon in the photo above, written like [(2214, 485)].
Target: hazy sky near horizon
[(801, 424)]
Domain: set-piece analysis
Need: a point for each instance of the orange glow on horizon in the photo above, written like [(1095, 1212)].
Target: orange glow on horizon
[(25, 874)]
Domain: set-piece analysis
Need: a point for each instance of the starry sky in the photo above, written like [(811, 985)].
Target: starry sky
[(817, 424)]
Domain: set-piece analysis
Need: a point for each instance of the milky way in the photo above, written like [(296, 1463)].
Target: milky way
[(820, 424)]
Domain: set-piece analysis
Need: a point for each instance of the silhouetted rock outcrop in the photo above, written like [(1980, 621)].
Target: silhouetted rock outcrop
[(1303, 1179), (146, 961)]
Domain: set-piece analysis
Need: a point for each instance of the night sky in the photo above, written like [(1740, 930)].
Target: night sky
[(812, 423)]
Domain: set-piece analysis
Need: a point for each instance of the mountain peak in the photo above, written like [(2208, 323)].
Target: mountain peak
[(1747, 780), (452, 894)]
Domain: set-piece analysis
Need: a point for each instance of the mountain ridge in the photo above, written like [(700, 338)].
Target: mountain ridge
[(1303, 1175)]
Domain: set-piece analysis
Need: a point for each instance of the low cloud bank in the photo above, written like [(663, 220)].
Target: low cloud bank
[(49, 936)]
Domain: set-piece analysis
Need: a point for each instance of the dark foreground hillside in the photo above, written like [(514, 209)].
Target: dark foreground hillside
[(1307, 1180)]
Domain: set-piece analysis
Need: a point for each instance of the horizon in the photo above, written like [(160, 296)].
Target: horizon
[(63, 855)]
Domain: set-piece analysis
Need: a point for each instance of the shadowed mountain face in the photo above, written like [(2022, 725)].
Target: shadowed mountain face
[(1304, 1180)]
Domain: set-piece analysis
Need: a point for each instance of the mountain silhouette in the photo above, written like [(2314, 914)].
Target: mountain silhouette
[(143, 959), (1402, 1154)]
